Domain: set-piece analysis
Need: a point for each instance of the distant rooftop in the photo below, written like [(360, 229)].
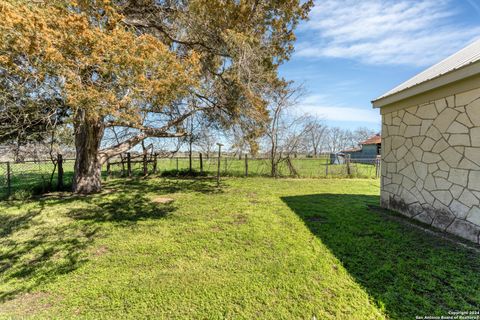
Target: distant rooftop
[(461, 59), (376, 139)]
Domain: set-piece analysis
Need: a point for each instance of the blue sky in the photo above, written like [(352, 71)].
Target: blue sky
[(352, 51)]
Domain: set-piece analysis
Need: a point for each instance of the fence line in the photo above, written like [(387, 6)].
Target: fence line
[(30, 177)]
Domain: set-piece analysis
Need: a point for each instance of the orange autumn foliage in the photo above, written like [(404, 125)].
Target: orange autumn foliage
[(96, 64)]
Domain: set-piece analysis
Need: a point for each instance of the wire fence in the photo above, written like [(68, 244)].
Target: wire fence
[(20, 180)]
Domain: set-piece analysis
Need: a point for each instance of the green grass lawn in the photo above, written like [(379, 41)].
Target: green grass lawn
[(255, 248)]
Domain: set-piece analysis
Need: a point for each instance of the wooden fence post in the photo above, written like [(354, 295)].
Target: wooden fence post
[(347, 159), (177, 163), (145, 169), (122, 160), (326, 166), (201, 163), (377, 167), (190, 160), (155, 163), (109, 172), (129, 164), (9, 180), (246, 166), (60, 172)]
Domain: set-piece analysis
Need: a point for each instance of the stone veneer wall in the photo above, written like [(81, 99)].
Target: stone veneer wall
[(431, 163)]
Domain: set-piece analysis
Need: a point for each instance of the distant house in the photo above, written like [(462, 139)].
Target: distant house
[(368, 150), (431, 145)]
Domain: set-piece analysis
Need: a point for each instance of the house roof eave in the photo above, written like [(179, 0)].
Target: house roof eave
[(434, 83)]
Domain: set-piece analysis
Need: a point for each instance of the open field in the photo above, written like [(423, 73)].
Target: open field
[(35, 178), (255, 248)]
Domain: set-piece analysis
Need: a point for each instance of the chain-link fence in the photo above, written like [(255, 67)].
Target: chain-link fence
[(322, 167), (36, 177)]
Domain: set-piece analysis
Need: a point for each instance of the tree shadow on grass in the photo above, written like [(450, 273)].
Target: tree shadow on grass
[(125, 208), (33, 252), (37, 246), (405, 270)]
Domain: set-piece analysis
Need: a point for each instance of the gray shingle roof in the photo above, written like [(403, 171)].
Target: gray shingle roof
[(467, 56)]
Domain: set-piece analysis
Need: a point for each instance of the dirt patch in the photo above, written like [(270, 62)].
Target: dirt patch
[(27, 304), (253, 196), (217, 229), (162, 200), (100, 251), (109, 190), (239, 219)]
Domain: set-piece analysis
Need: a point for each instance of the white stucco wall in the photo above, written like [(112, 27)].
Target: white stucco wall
[(431, 163)]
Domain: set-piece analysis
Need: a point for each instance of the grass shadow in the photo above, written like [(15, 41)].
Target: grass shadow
[(38, 245), (33, 252), (406, 271), (124, 208)]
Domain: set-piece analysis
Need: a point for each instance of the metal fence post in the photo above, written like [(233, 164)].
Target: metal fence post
[(9, 180), (60, 172), (201, 163), (218, 169), (129, 164), (246, 166)]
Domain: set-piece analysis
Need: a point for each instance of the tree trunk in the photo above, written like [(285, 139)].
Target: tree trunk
[(88, 165), (273, 161)]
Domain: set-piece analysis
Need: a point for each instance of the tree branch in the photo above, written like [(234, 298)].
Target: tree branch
[(142, 23), (146, 132), (128, 144)]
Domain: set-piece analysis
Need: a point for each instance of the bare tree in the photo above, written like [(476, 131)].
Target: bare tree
[(285, 130), (338, 139), (207, 136), (362, 133), (315, 137)]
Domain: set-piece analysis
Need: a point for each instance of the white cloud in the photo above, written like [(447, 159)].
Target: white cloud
[(385, 31), (318, 105)]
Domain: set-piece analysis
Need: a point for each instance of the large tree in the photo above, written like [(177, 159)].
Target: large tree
[(138, 65), (101, 74)]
